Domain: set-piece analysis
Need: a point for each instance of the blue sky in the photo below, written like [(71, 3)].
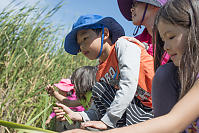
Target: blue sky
[(72, 9)]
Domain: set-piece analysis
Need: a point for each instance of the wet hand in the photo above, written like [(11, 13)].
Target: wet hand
[(94, 124)]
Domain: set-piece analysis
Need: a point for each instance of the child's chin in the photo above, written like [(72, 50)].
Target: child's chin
[(176, 63), (91, 58)]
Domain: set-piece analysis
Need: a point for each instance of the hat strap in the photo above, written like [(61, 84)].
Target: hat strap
[(136, 30), (102, 41), (138, 27)]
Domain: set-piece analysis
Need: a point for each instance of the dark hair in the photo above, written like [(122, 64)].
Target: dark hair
[(83, 79), (99, 30), (184, 13)]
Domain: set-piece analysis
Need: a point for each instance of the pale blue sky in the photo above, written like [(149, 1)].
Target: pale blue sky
[(72, 9)]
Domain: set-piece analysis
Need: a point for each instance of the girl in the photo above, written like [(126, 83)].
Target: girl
[(83, 79), (65, 94), (81, 82), (143, 12)]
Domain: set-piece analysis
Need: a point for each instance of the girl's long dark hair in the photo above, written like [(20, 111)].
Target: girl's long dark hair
[(184, 13)]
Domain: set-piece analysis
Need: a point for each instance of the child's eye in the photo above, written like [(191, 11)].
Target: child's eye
[(171, 37), (85, 38)]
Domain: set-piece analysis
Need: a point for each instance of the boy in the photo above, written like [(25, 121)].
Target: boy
[(125, 71)]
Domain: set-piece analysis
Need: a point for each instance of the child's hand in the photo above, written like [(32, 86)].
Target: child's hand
[(94, 124), (47, 121), (50, 90), (61, 110)]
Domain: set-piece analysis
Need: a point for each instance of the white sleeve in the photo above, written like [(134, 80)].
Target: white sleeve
[(128, 55)]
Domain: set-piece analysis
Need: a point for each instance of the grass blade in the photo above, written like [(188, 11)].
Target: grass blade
[(38, 115), (24, 128)]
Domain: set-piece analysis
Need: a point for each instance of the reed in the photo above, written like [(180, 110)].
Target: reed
[(32, 56)]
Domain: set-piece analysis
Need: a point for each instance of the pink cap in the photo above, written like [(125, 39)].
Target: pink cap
[(65, 85)]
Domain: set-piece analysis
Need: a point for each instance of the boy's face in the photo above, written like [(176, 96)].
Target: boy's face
[(89, 42)]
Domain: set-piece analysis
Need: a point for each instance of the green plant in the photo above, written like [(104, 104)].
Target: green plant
[(24, 128), (32, 56)]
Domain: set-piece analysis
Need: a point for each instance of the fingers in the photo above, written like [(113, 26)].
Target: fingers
[(61, 112), (58, 110), (89, 124), (94, 124), (65, 108), (50, 90), (86, 124)]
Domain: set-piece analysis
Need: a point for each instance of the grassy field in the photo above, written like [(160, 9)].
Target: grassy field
[(32, 56)]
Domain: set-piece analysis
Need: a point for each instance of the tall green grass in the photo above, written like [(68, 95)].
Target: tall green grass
[(31, 57)]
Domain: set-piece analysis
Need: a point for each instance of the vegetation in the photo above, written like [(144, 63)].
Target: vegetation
[(32, 56)]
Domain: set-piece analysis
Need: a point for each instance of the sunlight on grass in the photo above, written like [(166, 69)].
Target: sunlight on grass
[(32, 56)]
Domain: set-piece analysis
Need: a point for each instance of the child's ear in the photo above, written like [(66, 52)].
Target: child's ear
[(106, 33)]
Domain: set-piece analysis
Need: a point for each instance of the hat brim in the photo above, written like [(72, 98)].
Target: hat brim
[(125, 6), (114, 27), (64, 88), (152, 2)]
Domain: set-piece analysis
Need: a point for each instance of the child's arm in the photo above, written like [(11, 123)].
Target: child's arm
[(65, 101), (128, 55), (183, 113), (91, 114), (66, 110), (71, 103), (51, 91)]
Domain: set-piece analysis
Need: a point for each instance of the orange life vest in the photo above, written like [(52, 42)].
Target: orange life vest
[(109, 70)]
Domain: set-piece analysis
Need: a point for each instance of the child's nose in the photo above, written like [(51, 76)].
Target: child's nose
[(81, 46), (166, 46)]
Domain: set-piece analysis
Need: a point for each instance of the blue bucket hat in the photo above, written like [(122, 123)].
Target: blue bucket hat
[(92, 22)]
